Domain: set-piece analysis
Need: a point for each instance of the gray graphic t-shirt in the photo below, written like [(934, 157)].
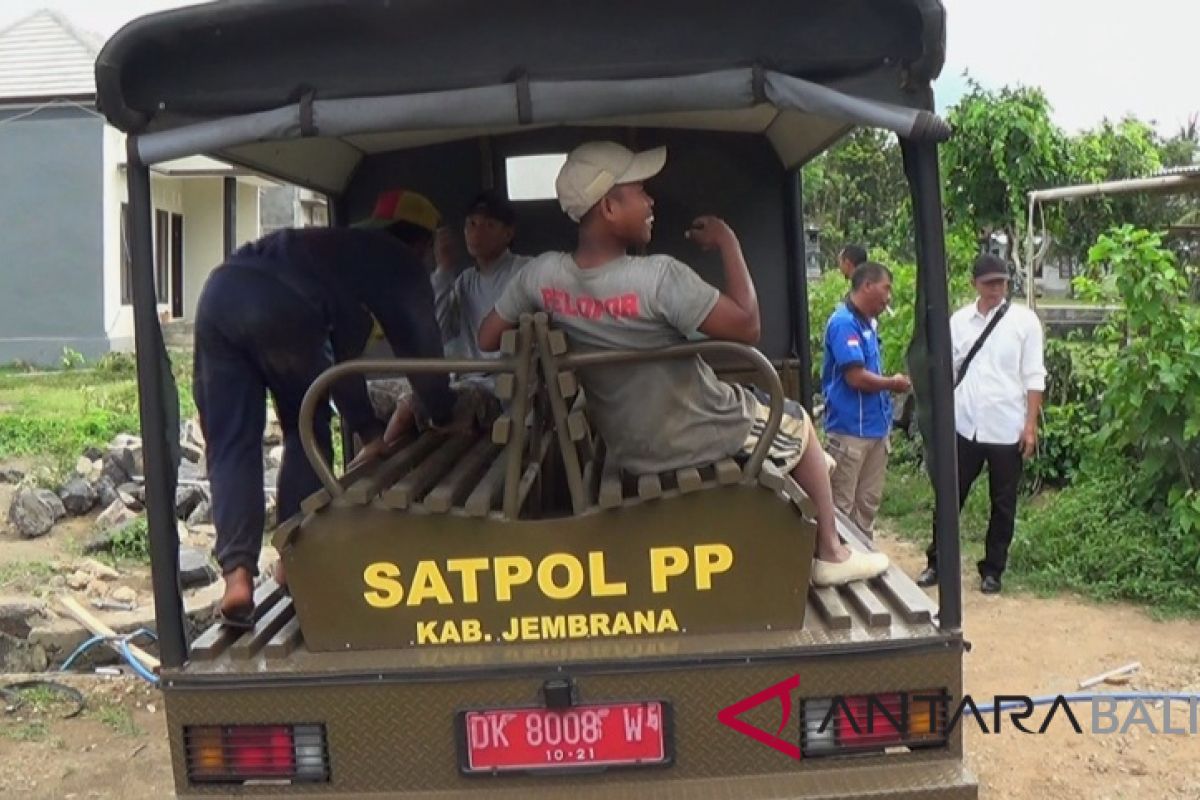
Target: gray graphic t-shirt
[(655, 417)]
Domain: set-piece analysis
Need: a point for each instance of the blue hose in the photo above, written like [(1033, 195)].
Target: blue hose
[(122, 645), (1045, 700)]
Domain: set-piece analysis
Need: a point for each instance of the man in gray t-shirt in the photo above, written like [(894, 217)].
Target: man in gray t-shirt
[(672, 413), (464, 299)]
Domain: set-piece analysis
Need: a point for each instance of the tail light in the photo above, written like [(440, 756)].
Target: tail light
[(257, 754), (872, 723)]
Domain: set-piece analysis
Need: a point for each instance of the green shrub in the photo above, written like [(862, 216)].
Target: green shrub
[(132, 542), (1095, 538)]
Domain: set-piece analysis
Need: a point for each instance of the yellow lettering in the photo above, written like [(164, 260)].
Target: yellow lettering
[(426, 634), (545, 576), (600, 625), (511, 571), (450, 632), (666, 622), (513, 633), (529, 628), (554, 627), (472, 631), (621, 624), (470, 569), (711, 559), (382, 577), (599, 585), (428, 583), (577, 626), (643, 622), (666, 563)]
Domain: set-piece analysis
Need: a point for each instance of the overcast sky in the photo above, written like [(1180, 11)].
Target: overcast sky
[(1094, 58)]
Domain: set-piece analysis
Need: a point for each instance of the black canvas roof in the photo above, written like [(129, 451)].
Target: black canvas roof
[(239, 58)]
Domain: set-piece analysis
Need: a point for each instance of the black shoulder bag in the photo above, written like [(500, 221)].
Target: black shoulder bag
[(991, 326)]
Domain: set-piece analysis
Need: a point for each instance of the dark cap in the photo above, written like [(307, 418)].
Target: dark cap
[(989, 267), (493, 204)]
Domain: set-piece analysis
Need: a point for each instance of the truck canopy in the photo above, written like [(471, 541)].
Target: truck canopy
[(304, 90)]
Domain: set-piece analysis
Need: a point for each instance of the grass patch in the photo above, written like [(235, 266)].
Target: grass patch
[(25, 576), (1091, 539), (908, 510), (118, 718), (34, 731), (61, 413)]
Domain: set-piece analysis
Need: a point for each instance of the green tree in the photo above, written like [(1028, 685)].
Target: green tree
[(1112, 151), (856, 192), (1004, 145)]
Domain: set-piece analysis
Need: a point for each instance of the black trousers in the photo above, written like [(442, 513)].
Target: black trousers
[(253, 337), (1004, 465)]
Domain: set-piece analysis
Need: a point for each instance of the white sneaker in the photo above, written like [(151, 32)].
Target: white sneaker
[(858, 567)]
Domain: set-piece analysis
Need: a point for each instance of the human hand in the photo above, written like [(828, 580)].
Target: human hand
[(711, 232), (445, 249), (901, 383), (1028, 442), (371, 452)]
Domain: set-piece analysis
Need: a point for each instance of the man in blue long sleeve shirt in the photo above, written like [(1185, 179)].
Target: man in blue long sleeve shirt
[(272, 318)]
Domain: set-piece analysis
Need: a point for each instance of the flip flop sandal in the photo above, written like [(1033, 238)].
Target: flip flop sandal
[(240, 621)]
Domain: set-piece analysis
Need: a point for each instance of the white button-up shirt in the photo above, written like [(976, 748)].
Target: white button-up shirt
[(991, 402)]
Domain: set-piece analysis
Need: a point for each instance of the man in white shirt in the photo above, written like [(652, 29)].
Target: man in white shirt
[(997, 400)]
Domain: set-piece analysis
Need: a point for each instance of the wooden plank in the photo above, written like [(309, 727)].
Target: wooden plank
[(365, 489), (861, 596), (454, 487), (316, 501), (568, 384), (610, 485), (770, 477), (649, 486), (508, 343), (284, 533), (689, 480), (728, 472), (516, 441), (286, 641), (506, 386), (265, 629), (577, 426), (914, 605), (98, 628), (502, 430), (408, 489), (829, 606), (558, 342), (486, 493), (558, 407), (217, 638)]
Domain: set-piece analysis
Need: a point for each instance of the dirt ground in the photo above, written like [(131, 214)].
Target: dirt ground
[(1021, 644)]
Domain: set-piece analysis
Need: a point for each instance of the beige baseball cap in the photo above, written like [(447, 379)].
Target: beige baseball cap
[(594, 168)]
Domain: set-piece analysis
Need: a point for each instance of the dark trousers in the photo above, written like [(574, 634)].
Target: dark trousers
[(1004, 465), (254, 335)]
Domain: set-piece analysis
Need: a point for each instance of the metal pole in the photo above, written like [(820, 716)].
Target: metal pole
[(797, 281), (921, 165), (230, 205), (152, 400)]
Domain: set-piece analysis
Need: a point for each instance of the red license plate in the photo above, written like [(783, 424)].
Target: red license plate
[(525, 739)]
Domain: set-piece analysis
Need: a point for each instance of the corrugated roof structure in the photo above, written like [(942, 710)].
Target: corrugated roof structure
[(44, 57)]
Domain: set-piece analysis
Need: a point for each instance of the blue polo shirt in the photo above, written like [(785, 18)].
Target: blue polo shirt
[(851, 340)]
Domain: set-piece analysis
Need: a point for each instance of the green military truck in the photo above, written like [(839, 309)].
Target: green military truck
[(508, 613)]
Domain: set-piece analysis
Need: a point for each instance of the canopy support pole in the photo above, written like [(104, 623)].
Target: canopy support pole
[(797, 282)]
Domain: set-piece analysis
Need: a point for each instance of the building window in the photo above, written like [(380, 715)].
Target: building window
[(126, 259), (162, 250), (532, 177)]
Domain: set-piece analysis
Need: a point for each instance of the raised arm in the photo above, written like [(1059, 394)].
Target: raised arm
[(735, 317)]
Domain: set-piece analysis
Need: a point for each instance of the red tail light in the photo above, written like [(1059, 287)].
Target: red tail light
[(257, 753), (871, 723)]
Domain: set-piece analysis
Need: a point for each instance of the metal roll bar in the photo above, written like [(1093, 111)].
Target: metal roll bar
[(321, 386)]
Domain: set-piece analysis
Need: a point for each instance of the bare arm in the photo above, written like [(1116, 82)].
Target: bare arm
[(863, 380), (735, 317), (490, 331)]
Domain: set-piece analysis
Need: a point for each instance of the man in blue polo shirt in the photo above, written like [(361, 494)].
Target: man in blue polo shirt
[(858, 400)]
